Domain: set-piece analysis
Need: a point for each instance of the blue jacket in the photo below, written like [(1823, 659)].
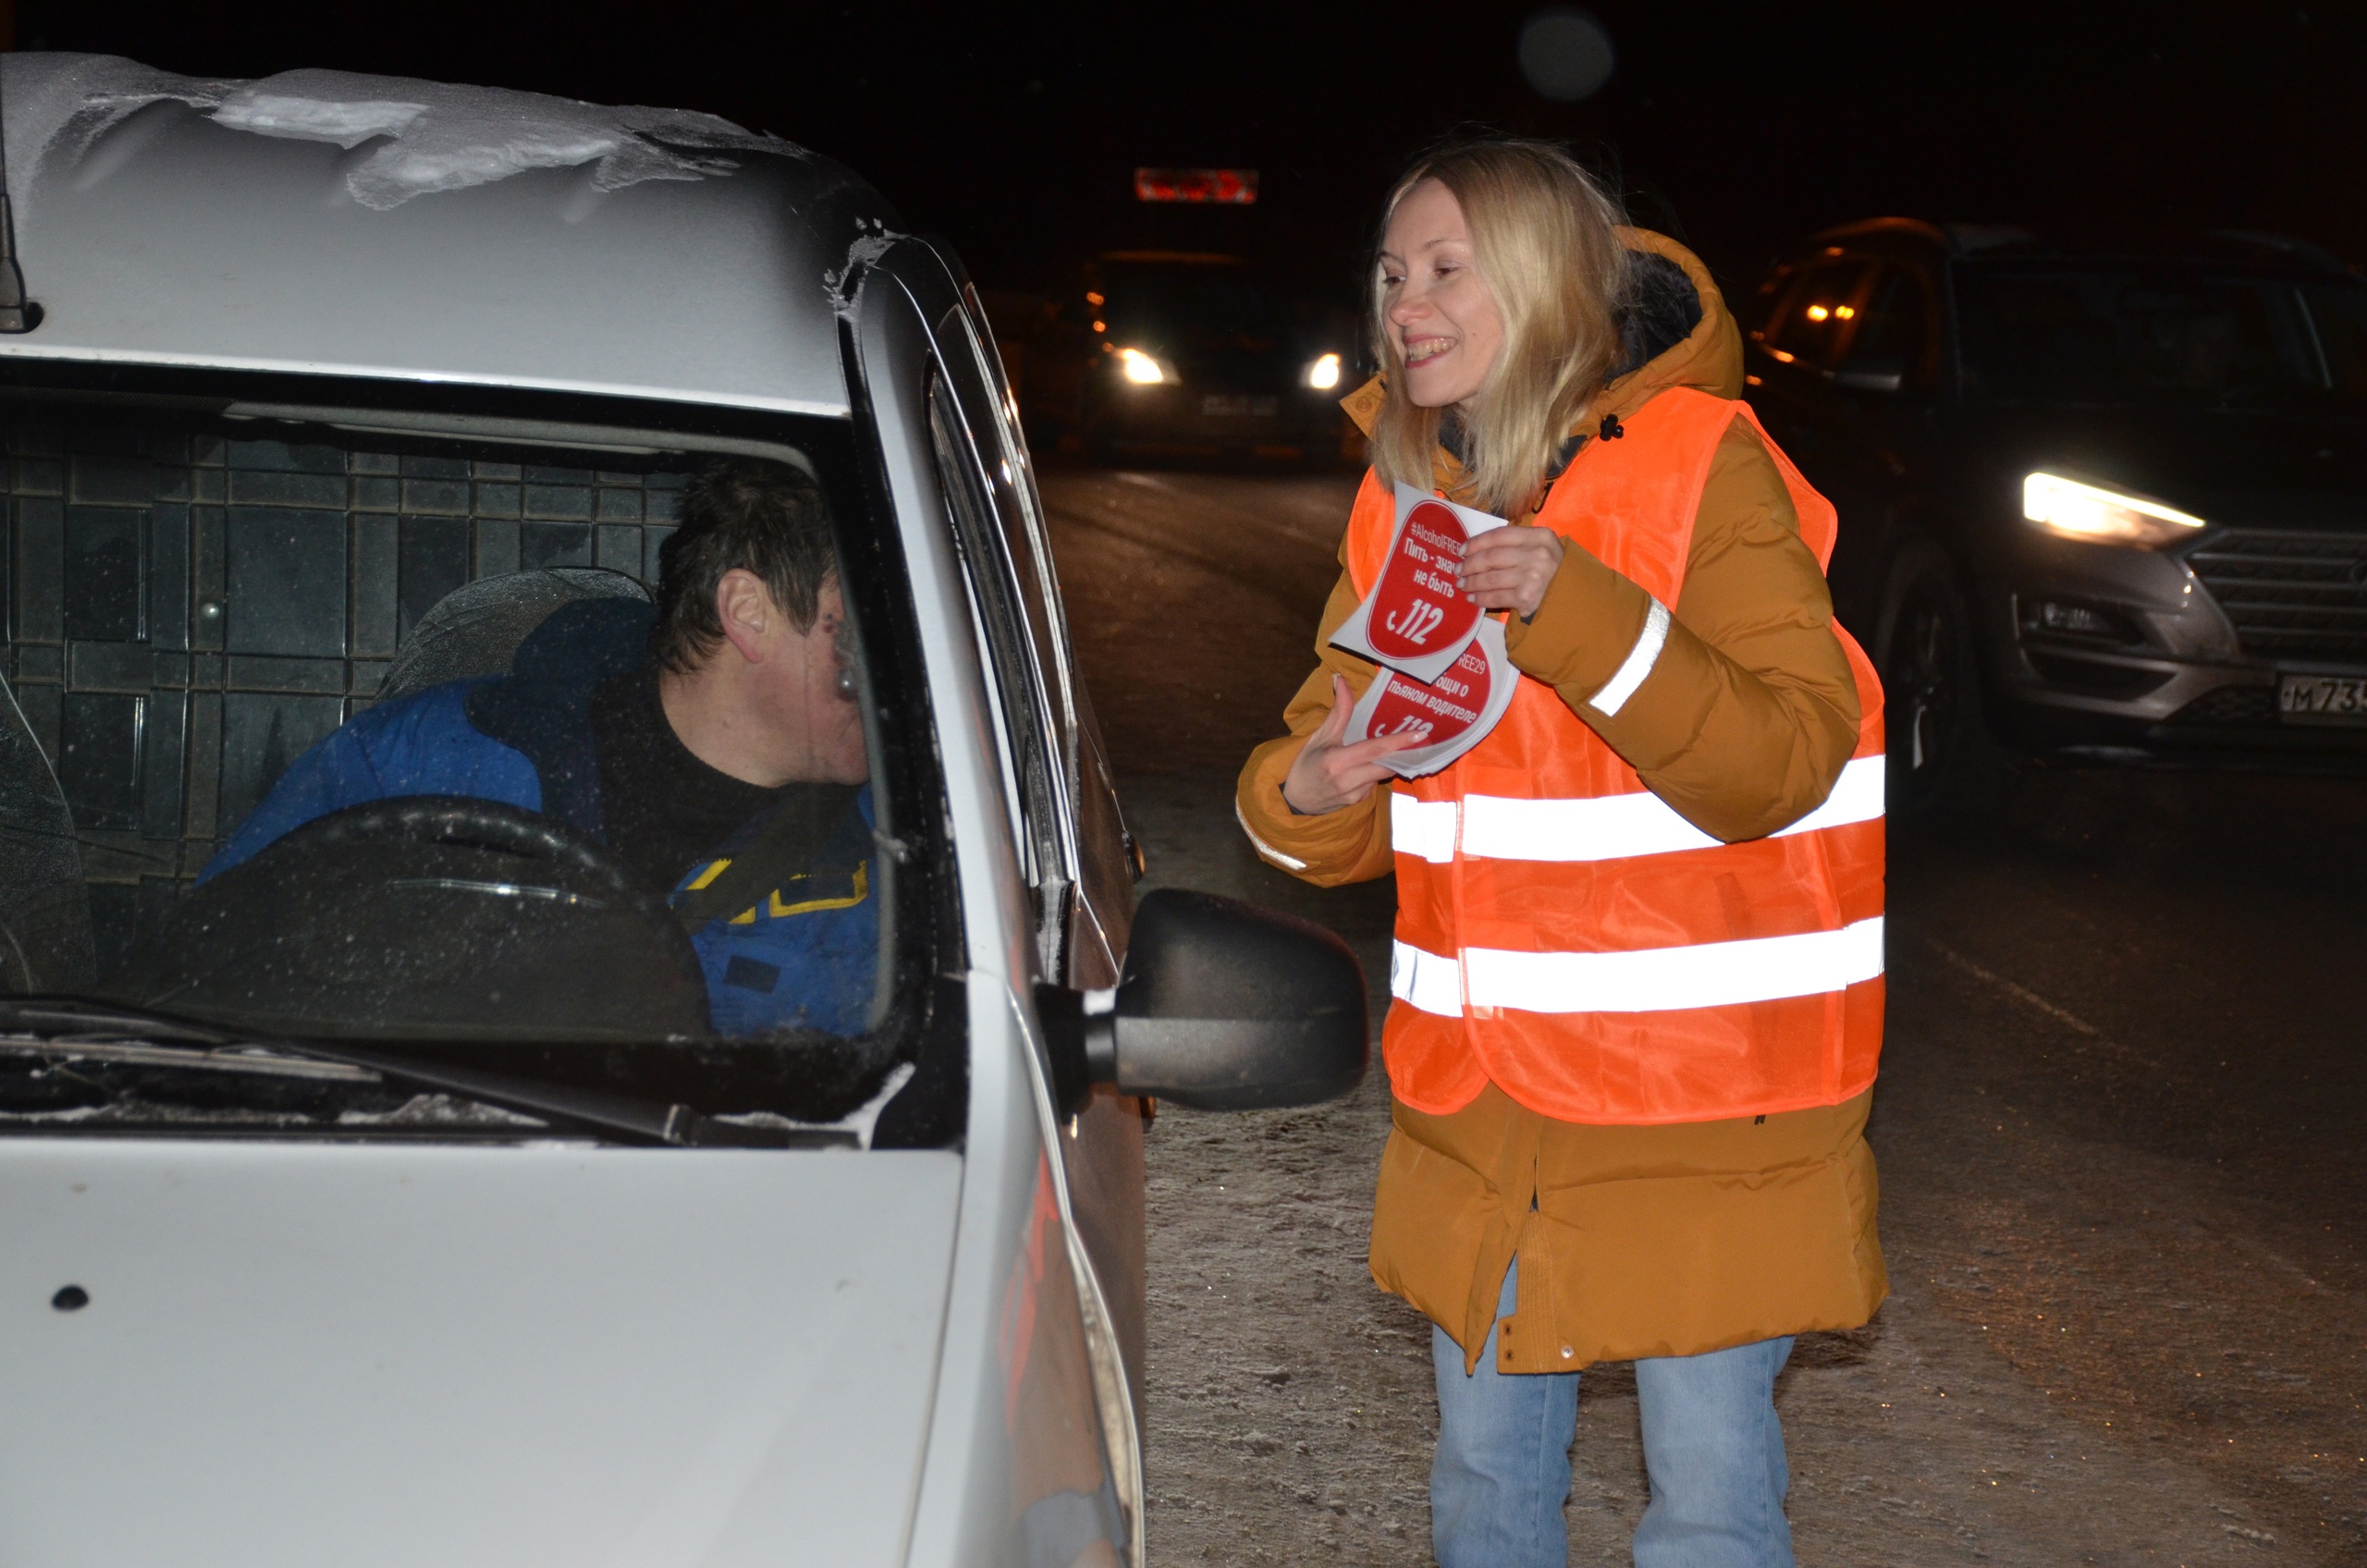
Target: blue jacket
[(804, 956)]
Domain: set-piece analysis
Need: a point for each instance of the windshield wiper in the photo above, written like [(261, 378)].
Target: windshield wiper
[(64, 1026), (188, 1058)]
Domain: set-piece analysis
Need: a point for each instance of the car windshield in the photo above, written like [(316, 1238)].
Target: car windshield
[(370, 737), (1206, 305), (2103, 335)]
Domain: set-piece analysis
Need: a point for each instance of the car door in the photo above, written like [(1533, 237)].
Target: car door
[(985, 609), (1873, 457), (1812, 307), (1082, 865)]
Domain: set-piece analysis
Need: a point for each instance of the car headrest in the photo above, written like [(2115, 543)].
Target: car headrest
[(586, 642), (486, 626)]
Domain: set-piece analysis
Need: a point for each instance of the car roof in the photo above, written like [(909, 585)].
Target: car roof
[(333, 223), (1953, 239), (2247, 248)]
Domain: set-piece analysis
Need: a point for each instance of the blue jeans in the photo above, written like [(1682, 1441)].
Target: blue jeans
[(1712, 1446)]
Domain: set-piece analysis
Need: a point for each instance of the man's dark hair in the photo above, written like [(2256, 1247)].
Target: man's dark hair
[(765, 518)]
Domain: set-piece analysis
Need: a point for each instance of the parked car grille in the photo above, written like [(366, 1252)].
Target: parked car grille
[(2248, 705), (2291, 595)]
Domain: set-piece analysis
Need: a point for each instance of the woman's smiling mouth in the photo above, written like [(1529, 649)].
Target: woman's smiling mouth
[(1421, 351)]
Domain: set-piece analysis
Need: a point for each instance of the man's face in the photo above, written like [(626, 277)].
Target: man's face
[(774, 704), (809, 697)]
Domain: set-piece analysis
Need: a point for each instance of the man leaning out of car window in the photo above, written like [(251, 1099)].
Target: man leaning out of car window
[(737, 736)]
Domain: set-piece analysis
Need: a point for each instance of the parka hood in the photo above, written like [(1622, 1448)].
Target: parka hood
[(1707, 356)]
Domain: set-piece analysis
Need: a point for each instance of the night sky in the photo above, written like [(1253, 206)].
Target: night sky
[(1013, 130)]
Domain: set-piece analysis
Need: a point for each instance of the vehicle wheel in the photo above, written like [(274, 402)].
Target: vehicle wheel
[(1939, 748)]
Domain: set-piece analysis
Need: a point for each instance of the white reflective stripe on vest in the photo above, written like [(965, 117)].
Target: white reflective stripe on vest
[(1428, 981), (1425, 829), (1602, 828), (1757, 969)]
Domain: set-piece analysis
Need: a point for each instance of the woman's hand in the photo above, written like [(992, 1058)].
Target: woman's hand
[(1326, 774), (1509, 569)]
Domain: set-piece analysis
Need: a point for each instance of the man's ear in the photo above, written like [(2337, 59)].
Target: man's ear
[(746, 610)]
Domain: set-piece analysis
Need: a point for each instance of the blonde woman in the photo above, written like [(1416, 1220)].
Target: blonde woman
[(1637, 975)]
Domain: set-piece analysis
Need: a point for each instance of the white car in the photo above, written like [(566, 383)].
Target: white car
[(389, 1200)]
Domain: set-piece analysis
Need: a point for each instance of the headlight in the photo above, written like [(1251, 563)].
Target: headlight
[(2103, 517), (1141, 369), (1324, 374)]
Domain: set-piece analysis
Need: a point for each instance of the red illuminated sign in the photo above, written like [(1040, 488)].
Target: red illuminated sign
[(1237, 188)]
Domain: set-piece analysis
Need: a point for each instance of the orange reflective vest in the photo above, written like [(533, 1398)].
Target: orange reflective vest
[(1567, 935)]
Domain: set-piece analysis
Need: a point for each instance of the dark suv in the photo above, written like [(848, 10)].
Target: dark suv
[(2113, 500)]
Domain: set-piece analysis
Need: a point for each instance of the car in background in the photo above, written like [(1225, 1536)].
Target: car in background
[(1186, 353), (394, 1198), (2103, 501)]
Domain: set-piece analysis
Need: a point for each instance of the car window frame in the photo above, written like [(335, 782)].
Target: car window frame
[(1030, 737), (1919, 369), (922, 929), (1021, 512), (1802, 273), (2299, 304), (1108, 862)]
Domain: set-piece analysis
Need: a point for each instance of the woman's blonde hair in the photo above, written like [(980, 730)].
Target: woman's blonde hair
[(1545, 237)]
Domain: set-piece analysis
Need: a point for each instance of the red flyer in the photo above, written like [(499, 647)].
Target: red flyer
[(1416, 621), (1453, 713)]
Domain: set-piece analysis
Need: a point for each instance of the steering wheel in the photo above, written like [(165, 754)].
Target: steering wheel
[(468, 822)]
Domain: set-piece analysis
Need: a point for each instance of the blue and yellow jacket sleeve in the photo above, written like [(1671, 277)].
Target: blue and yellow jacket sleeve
[(805, 955)]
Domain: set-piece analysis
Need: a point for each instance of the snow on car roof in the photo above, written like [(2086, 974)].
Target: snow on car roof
[(332, 223)]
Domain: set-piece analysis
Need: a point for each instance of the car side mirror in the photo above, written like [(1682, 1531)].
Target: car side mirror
[(1222, 1005), (1876, 373)]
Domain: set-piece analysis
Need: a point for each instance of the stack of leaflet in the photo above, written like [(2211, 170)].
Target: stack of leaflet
[(1444, 674)]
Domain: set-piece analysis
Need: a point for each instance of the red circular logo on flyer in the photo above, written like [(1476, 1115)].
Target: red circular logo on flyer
[(1441, 711), (1418, 608)]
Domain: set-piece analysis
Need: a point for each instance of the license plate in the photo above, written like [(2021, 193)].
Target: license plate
[(1238, 405), (2322, 699)]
